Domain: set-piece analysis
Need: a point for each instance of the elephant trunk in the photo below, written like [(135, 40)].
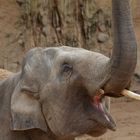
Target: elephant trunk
[(124, 56)]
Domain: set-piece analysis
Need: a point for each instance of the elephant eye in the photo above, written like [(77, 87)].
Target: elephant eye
[(66, 67)]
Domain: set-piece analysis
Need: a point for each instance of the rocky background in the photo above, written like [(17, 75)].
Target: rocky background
[(25, 24), (28, 23), (37, 23)]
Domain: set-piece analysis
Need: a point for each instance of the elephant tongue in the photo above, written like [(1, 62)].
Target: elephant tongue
[(101, 114)]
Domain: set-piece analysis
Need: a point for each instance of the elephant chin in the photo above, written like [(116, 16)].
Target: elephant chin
[(98, 132), (101, 114)]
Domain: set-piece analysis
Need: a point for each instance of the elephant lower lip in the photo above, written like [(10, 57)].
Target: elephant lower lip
[(101, 114)]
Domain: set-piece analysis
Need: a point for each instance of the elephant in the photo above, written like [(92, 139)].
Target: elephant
[(60, 92)]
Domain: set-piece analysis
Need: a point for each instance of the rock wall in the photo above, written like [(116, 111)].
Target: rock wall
[(83, 23), (25, 24)]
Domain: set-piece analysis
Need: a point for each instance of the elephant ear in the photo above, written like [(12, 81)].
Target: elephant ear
[(26, 110)]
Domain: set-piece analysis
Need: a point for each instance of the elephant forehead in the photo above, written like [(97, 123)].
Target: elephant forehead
[(78, 53), (66, 52)]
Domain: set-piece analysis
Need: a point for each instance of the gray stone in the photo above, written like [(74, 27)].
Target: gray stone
[(102, 37)]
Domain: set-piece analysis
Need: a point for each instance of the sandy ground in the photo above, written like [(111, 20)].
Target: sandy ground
[(127, 116)]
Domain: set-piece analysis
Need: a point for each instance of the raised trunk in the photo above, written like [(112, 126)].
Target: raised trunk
[(124, 54)]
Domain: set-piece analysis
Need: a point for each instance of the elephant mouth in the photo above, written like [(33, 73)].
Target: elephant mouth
[(101, 114)]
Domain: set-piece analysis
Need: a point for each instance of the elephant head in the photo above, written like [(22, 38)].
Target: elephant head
[(58, 88)]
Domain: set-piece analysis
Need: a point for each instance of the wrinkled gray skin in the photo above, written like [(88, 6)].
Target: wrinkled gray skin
[(52, 97)]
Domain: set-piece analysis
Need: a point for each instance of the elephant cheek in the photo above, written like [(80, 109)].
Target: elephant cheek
[(51, 119), (56, 121)]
